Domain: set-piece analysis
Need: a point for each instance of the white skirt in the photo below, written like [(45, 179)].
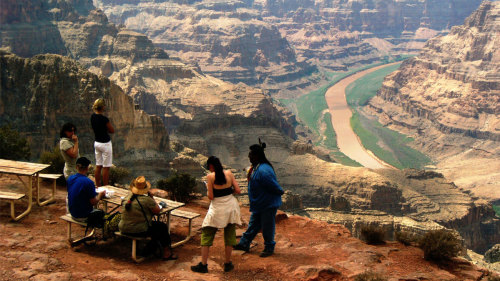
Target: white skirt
[(223, 211)]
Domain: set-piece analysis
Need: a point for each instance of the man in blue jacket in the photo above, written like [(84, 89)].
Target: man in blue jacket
[(264, 193)]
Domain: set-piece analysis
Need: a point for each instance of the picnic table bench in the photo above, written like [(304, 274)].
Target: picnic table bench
[(52, 177), (19, 169), (73, 242), (186, 215)]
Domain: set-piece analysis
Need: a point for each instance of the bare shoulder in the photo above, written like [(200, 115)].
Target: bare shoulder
[(211, 176)]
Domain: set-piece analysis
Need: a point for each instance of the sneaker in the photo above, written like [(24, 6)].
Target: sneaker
[(200, 268), (266, 253), (228, 266), (240, 247)]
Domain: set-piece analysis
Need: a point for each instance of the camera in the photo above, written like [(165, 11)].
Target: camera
[(163, 204)]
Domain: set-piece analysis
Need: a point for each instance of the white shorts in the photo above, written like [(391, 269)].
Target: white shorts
[(103, 154)]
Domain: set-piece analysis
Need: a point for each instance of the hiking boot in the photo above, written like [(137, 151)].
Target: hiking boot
[(228, 266), (240, 247), (266, 253), (200, 268)]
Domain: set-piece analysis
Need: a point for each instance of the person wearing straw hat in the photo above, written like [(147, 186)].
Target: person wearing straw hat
[(102, 145), (138, 209)]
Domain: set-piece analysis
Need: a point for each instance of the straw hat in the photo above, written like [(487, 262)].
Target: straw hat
[(140, 186), (99, 103)]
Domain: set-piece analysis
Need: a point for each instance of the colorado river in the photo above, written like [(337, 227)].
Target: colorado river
[(347, 140)]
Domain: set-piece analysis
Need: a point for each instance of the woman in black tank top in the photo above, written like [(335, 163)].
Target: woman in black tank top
[(224, 212)]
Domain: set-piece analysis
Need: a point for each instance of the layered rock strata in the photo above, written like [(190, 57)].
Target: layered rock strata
[(40, 94), (198, 109), (448, 99), (408, 200), (273, 44)]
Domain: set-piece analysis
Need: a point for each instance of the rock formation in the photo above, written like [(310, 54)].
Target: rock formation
[(202, 112), (275, 44), (40, 94), (448, 99)]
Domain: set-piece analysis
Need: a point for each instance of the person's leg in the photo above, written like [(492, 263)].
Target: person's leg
[(229, 240), (207, 239), (254, 226), (105, 176), (204, 254), (98, 163), (97, 175), (268, 221), (159, 232), (107, 162)]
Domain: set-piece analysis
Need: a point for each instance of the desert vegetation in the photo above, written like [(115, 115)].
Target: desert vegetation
[(12, 145), (180, 186), (440, 245), (373, 234)]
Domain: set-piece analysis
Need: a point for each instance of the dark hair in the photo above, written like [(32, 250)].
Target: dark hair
[(220, 178), (82, 162), (128, 205), (68, 127), (258, 150)]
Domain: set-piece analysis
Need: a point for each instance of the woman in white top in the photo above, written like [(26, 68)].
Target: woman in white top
[(224, 212)]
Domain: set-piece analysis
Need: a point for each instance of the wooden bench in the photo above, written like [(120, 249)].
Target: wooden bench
[(186, 215), (11, 196), (134, 245), (73, 242), (52, 177)]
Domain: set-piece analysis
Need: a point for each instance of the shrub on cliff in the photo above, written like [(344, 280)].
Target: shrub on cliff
[(56, 162), (369, 276), (180, 187), (440, 245), (406, 238), (12, 145), (372, 235), (117, 174)]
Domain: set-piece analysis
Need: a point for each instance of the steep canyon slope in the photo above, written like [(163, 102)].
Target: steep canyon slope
[(197, 109), (39, 94), (212, 117), (448, 99), (275, 44)]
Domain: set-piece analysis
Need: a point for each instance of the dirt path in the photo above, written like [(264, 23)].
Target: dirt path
[(347, 140)]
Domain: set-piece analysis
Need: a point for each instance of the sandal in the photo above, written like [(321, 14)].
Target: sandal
[(170, 258)]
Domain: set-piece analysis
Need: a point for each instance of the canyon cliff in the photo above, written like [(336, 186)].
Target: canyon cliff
[(200, 111), (448, 99), (38, 95), (206, 115), (277, 45)]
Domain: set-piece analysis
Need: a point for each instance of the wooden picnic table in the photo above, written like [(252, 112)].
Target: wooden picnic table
[(120, 193), (20, 169)]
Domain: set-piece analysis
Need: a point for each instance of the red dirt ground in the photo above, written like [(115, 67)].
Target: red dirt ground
[(35, 248)]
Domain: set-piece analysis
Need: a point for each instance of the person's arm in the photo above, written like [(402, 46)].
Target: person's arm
[(269, 181), (110, 128), (156, 210), (98, 197), (73, 151), (210, 186), (237, 189)]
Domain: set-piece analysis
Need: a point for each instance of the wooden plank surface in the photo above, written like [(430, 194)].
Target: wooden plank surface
[(121, 193), (20, 168), (50, 176), (11, 195)]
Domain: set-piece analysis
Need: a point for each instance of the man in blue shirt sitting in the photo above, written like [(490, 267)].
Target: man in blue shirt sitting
[(82, 195)]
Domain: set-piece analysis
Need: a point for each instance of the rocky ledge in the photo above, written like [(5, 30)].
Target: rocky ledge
[(448, 99)]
